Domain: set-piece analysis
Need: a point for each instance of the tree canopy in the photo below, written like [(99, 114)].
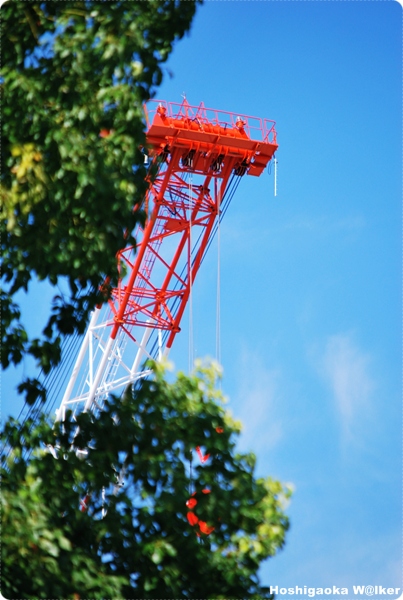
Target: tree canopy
[(136, 540), (74, 77), (118, 504)]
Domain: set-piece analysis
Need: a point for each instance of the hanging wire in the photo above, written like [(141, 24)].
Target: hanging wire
[(55, 380), (275, 176), (190, 268), (225, 202), (218, 305), (51, 379)]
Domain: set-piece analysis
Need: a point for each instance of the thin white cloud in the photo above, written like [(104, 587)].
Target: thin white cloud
[(350, 560), (258, 392), (347, 370)]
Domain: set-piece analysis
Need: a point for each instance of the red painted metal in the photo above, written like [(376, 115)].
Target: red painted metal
[(185, 141)]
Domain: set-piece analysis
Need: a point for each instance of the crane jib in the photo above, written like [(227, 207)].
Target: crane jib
[(199, 155)]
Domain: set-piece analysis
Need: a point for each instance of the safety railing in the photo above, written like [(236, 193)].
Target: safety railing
[(206, 119)]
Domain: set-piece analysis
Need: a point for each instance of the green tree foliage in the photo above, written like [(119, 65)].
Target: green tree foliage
[(75, 75), (135, 541)]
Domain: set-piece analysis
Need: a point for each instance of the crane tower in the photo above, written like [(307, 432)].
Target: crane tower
[(199, 155)]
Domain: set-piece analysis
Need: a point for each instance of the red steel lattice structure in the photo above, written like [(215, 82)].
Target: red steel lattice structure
[(201, 154)]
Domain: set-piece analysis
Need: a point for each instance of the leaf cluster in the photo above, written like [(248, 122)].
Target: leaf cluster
[(74, 77), (134, 538)]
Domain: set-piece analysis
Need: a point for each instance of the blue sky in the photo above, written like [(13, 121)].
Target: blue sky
[(310, 279)]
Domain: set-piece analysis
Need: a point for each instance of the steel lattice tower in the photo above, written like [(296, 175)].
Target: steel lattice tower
[(200, 155)]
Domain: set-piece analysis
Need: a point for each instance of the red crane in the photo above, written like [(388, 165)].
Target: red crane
[(200, 155)]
